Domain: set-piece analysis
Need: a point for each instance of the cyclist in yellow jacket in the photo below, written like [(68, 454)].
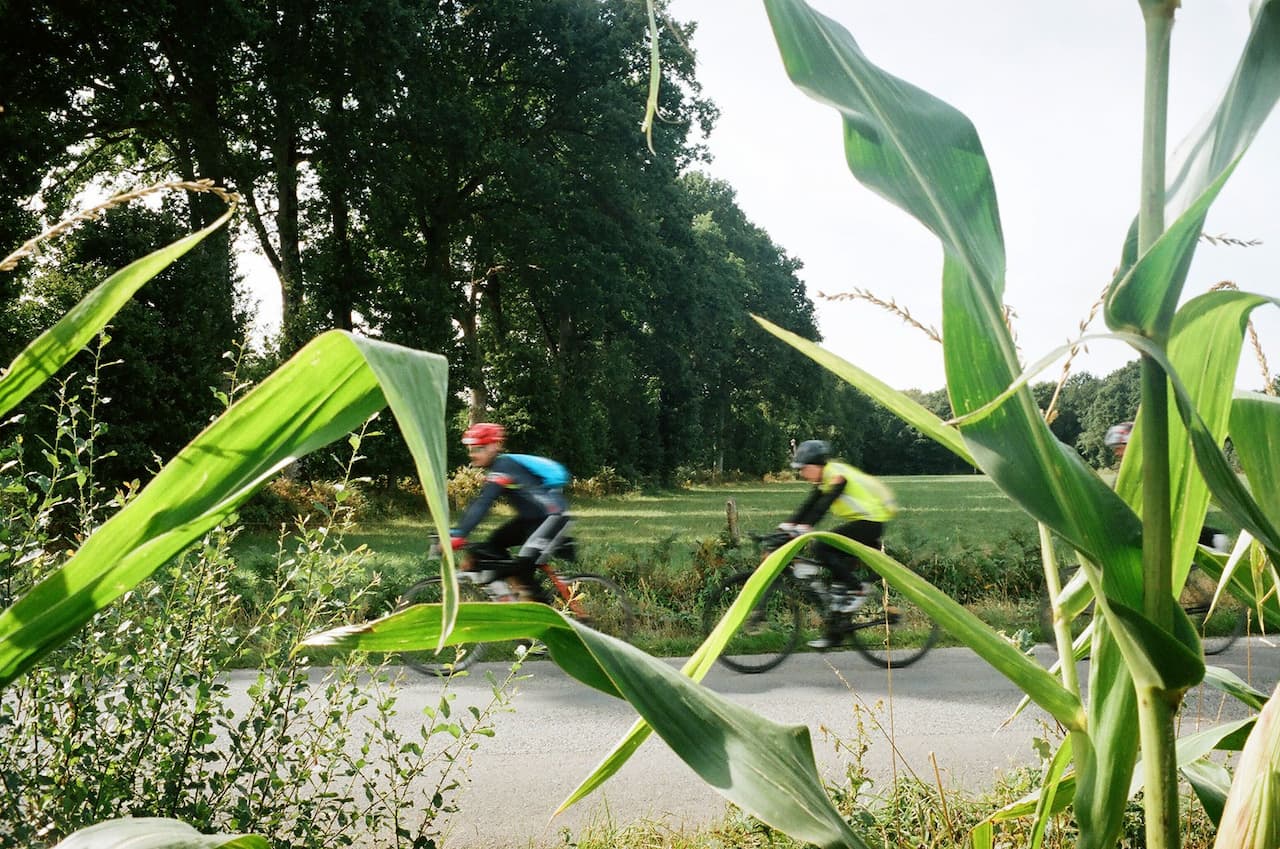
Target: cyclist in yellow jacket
[(859, 501)]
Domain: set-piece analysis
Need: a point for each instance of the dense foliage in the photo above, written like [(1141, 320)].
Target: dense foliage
[(459, 177), (440, 175)]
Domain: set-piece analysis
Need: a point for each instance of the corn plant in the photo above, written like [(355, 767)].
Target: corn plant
[(924, 156), (1135, 543)]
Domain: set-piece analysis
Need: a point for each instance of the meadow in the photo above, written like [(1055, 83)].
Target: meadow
[(666, 547)]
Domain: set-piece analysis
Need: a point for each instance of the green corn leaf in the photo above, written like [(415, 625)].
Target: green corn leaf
[(56, 346), (1049, 792), (696, 667), (155, 833), (1204, 348), (896, 402), (1235, 686), (1145, 298), (1032, 678), (326, 390), (1211, 782), (1171, 663), (982, 836), (908, 146), (1229, 736), (1229, 493), (764, 767), (1224, 134), (1251, 814), (925, 157), (1255, 434), (1256, 586)]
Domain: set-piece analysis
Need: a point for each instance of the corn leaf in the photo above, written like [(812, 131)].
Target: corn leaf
[(911, 148), (1211, 783), (326, 390), (764, 767), (1227, 130), (696, 667), (1145, 298), (1032, 678), (925, 157), (1049, 792), (1229, 736), (1235, 686), (900, 404), (56, 346), (1255, 434), (1251, 814), (155, 833)]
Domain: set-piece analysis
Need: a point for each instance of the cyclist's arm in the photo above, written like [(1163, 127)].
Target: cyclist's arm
[(818, 503), (478, 509)]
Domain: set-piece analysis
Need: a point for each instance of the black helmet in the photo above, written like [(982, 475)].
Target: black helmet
[(815, 451)]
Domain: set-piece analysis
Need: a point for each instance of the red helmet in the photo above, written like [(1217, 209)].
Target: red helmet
[(484, 433), (1118, 435)]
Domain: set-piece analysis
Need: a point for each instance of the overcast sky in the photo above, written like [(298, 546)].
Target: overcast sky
[(1055, 92)]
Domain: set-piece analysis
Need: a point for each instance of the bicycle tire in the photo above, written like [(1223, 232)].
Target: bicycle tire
[(451, 659), (1219, 631), (599, 604), (771, 631), (892, 635)]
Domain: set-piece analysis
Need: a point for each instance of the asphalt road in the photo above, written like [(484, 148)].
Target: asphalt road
[(950, 709)]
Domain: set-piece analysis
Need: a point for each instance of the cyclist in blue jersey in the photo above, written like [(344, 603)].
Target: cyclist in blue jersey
[(534, 486)]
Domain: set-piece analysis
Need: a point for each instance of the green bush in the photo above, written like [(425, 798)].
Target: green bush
[(133, 715)]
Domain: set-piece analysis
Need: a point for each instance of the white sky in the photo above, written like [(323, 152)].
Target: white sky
[(1055, 91)]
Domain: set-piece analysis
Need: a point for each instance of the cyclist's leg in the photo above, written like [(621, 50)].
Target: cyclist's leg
[(511, 533), (846, 568), (546, 537), (538, 547), (846, 579)]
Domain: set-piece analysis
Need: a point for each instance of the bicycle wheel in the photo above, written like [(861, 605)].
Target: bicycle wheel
[(1219, 631), (772, 629), (450, 659), (893, 633), (599, 603)]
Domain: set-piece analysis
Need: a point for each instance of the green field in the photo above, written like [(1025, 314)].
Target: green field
[(665, 548), (938, 512)]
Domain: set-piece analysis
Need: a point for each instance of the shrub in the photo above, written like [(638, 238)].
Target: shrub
[(606, 481), (133, 715)]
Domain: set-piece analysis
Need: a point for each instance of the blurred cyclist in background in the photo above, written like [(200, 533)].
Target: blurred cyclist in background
[(860, 502), (1117, 439), (534, 486)]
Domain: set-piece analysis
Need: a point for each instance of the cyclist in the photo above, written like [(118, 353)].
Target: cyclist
[(862, 504), (534, 486), (1117, 439)]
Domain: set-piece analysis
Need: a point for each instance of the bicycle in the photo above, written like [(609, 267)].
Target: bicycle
[(1218, 630), (593, 600), (885, 629)]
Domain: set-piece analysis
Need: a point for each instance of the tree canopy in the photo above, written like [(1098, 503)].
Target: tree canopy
[(461, 177)]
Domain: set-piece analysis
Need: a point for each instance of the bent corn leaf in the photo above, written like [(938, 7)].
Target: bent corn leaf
[(764, 767), (899, 403), (155, 833), (56, 346), (328, 389)]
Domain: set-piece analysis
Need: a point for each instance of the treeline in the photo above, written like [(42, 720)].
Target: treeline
[(462, 177)]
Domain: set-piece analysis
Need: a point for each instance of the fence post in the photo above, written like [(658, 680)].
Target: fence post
[(731, 520)]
